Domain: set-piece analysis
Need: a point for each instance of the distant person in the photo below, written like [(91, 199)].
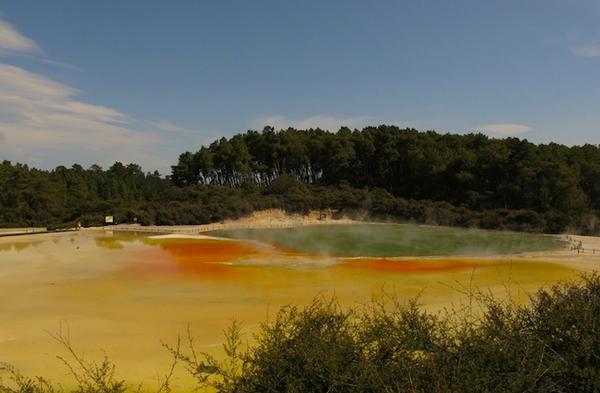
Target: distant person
[(77, 225)]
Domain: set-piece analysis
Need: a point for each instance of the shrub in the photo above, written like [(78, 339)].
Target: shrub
[(552, 344)]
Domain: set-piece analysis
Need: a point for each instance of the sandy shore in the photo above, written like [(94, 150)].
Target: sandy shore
[(188, 236), (272, 218)]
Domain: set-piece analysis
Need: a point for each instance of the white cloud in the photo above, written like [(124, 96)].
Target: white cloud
[(590, 50), (45, 123), (165, 125), (38, 111), (505, 129), (13, 41), (324, 122)]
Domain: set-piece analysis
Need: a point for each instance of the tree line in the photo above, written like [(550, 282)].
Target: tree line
[(385, 171), (472, 170)]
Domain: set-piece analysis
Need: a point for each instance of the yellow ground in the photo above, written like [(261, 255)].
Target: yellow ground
[(124, 296)]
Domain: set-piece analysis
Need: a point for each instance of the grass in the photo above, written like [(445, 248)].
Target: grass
[(389, 240)]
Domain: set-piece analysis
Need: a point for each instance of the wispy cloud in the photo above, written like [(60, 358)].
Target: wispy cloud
[(165, 125), (324, 122), (505, 129), (588, 50), (36, 111), (44, 122), (11, 41), (14, 43)]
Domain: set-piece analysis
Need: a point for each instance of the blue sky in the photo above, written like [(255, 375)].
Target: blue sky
[(142, 81)]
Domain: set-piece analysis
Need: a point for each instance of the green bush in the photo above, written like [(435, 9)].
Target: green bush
[(550, 345)]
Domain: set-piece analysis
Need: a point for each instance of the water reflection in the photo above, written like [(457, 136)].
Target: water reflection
[(110, 243), (116, 240), (8, 244)]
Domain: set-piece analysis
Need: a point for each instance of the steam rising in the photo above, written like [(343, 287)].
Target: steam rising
[(396, 240)]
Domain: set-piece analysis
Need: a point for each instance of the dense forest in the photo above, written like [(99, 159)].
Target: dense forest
[(380, 172)]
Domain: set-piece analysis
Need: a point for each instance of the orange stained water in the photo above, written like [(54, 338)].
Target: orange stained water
[(124, 294)]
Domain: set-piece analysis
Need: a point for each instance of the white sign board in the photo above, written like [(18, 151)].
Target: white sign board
[(108, 219)]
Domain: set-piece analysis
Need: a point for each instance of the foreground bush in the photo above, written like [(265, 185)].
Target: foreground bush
[(550, 345)]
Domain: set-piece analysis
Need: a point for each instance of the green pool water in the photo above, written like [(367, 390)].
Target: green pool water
[(387, 240)]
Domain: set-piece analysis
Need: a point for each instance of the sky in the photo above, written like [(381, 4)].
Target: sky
[(143, 81)]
